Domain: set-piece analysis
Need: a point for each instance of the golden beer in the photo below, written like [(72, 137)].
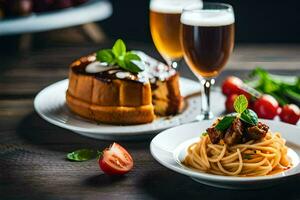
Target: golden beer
[(165, 26), (165, 33)]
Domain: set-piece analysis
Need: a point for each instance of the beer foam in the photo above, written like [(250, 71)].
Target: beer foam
[(207, 18), (172, 6)]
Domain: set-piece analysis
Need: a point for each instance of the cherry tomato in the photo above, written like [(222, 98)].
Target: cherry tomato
[(266, 107), (247, 94), (251, 104), (229, 103), (290, 113), (115, 160), (231, 85)]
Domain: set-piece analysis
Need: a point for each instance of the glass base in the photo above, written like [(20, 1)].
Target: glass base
[(205, 116)]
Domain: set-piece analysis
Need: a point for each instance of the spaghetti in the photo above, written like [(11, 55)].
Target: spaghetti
[(254, 158)]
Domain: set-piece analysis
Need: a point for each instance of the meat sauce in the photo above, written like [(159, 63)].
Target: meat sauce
[(238, 132)]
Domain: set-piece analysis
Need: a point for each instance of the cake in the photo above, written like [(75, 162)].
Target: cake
[(113, 95)]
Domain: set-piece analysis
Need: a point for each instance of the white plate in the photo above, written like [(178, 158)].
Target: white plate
[(169, 148), (50, 105), (94, 10)]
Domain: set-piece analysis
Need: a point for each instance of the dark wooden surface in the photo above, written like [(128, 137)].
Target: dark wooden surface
[(32, 151)]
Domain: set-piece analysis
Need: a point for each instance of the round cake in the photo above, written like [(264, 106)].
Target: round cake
[(109, 94)]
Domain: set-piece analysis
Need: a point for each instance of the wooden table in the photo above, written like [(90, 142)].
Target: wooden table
[(32, 151)]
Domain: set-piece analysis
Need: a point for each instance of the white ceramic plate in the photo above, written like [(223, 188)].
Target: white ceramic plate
[(169, 148), (94, 10), (50, 105)]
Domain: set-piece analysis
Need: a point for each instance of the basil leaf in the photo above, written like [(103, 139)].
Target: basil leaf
[(240, 104), (105, 55), (225, 123), (82, 155), (250, 117), (119, 48)]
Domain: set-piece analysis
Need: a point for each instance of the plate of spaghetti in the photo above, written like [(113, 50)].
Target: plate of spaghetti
[(237, 151)]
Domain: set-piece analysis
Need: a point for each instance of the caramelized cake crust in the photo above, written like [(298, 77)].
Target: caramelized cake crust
[(118, 97)]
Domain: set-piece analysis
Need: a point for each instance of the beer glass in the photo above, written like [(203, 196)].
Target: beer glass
[(165, 27), (207, 39)]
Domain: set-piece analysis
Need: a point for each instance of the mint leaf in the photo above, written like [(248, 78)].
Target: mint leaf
[(82, 155), (119, 48), (240, 104), (131, 56), (225, 123), (121, 63), (133, 63), (128, 61), (105, 55), (135, 66), (250, 117)]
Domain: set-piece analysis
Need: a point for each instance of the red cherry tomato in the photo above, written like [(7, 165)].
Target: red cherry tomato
[(115, 160), (231, 85), (290, 114), (266, 107), (247, 95), (251, 104), (229, 103)]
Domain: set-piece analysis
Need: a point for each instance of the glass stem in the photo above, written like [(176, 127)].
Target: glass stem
[(205, 98), (172, 63)]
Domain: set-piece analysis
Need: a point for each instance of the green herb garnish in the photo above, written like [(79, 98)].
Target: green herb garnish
[(82, 155), (225, 123), (240, 104), (285, 89), (247, 156), (119, 48), (106, 55), (249, 116), (126, 60)]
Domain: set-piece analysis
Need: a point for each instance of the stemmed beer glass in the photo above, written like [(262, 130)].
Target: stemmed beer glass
[(165, 27), (207, 39)]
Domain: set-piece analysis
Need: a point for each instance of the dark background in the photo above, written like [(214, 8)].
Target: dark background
[(257, 21)]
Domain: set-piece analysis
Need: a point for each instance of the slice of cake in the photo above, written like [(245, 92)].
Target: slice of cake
[(110, 94)]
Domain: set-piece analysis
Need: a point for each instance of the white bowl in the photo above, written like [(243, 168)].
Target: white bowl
[(169, 149)]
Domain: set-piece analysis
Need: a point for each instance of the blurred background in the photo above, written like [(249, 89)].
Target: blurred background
[(268, 21), (264, 21)]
